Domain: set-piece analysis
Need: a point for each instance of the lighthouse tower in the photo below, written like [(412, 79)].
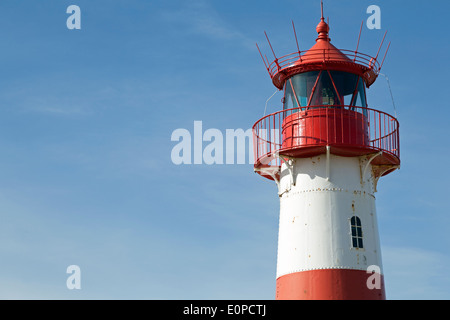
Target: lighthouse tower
[(326, 150)]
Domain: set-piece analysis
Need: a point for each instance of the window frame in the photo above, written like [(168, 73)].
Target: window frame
[(356, 233)]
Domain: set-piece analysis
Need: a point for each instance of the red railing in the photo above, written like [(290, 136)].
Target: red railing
[(321, 55), (300, 131)]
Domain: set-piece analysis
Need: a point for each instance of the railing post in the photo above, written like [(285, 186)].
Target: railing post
[(379, 127)]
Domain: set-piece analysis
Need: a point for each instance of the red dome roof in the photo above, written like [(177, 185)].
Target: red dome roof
[(323, 56), (323, 49)]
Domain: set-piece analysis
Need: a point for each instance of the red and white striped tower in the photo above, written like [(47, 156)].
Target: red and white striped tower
[(326, 151)]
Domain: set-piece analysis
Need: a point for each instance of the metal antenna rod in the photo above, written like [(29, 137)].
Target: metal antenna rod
[(262, 57), (359, 37), (381, 45), (270, 45), (381, 66), (321, 9), (296, 40)]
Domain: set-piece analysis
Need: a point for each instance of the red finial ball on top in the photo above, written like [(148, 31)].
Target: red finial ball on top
[(323, 29)]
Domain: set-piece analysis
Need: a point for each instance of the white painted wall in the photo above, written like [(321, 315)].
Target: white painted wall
[(315, 213)]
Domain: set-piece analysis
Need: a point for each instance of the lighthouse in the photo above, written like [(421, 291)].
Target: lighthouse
[(326, 150)]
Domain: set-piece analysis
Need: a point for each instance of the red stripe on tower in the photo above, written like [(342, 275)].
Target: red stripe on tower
[(331, 284)]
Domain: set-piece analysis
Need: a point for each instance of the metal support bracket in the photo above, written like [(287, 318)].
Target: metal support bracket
[(381, 174), (270, 173), (369, 162), (289, 162)]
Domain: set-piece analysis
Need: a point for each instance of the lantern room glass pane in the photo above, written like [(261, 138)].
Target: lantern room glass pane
[(345, 84), (325, 93), (298, 89), (325, 88), (360, 95)]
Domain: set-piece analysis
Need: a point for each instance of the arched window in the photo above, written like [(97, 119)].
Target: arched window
[(357, 235)]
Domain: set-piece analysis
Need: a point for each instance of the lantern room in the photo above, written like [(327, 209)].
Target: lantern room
[(324, 88)]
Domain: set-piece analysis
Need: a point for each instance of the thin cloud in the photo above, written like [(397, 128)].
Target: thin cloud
[(200, 17), (57, 110)]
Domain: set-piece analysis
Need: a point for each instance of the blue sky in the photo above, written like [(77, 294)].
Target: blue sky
[(86, 176)]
